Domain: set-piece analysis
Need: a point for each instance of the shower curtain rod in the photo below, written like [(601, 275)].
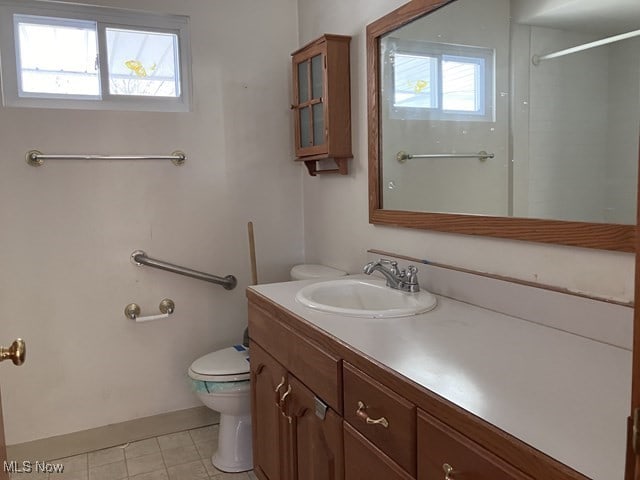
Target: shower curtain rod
[(536, 59)]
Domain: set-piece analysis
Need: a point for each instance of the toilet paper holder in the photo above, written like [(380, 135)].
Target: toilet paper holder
[(132, 311)]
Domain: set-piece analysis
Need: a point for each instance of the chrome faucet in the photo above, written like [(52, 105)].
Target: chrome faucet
[(404, 280)]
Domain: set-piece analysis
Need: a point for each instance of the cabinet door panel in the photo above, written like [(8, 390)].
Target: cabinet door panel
[(363, 461), (317, 442), (268, 443), (440, 446)]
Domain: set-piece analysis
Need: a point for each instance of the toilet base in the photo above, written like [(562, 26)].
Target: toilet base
[(234, 444)]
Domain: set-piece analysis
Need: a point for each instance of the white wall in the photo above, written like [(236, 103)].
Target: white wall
[(623, 127), (69, 227), (567, 129), (336, 210)]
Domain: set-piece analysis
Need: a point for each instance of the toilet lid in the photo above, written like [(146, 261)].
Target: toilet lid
[(226, 365)]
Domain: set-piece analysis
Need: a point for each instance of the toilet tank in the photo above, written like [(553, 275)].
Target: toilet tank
[(309, 272)]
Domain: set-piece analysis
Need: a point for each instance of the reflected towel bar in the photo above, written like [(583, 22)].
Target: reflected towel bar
[(140, 258), (36, 158), (404, 156)]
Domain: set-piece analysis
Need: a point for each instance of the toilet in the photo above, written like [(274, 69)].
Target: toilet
[(221, 381)]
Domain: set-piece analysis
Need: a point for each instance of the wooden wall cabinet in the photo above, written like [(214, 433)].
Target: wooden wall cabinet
[(322, 103), (323, 411)]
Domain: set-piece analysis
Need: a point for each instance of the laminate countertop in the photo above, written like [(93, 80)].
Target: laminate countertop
[(563, 394)]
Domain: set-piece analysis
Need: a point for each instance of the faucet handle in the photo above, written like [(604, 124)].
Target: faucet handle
[(412, 275), (393, 263)]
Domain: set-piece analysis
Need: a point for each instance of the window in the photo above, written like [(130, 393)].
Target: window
[(63, 56), (436, 81)]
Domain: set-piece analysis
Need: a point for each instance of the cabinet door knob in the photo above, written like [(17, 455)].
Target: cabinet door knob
[(277, 391), (362, 413), (448, 471)]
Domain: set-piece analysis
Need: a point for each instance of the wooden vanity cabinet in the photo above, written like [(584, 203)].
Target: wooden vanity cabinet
[(322, 103), (323, 411), (296, 434)]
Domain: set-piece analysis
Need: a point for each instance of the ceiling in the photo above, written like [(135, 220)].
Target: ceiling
[(605, 16)]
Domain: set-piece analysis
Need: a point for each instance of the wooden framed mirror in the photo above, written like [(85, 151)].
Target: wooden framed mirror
[(429, 122)]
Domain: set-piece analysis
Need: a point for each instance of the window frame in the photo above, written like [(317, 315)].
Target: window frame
[(104, 17), (482, 56)]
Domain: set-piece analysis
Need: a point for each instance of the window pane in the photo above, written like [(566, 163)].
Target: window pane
[(461, 85), (57, 56), (414, 79), (143, 63)]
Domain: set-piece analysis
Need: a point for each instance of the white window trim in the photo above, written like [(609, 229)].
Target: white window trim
[(106, 18), (434, 49)]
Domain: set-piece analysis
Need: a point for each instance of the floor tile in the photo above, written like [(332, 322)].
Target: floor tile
[(204, 434), (79, 475), (108, 455), (157, 475), (211, 470), (143, 447), (231, 476), (110, 471), (29, 475), (73, 464), (206, 449), (145, 464), (188, 471), (176, 456), (174, 440)]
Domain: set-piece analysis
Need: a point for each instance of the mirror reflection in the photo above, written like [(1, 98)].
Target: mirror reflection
[(524, 108)]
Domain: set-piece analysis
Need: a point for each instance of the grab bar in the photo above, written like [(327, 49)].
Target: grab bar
[(36, 158), (139, 258), (482, 155)]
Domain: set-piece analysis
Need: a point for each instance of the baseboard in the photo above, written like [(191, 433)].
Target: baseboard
[(84, 441)]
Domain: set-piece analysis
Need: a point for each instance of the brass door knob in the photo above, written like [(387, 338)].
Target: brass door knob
[(16, 352)]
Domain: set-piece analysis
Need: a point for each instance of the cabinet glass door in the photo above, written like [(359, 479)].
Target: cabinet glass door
[(309, 103)]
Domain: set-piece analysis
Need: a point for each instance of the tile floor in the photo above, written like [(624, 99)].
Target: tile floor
[(177, 456)]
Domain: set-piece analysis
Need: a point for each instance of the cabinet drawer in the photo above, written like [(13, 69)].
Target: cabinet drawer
[(363, 461), (313, 366), (368, 405), (440, 446)]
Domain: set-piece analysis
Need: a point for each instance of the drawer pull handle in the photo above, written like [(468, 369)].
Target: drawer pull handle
[(448, 471), (361, 412)]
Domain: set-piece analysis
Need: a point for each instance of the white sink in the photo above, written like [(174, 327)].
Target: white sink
[(364, 298)]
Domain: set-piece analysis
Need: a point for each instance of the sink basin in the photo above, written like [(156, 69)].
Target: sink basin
[(369, 298)]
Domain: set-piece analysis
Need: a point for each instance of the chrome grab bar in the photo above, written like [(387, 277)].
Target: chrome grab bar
[(482, 155), (139, 257), (36, 158)]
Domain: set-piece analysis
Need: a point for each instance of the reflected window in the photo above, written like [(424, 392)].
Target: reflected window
[(436, 81)]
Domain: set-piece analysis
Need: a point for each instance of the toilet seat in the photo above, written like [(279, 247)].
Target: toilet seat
[(227, 365)]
